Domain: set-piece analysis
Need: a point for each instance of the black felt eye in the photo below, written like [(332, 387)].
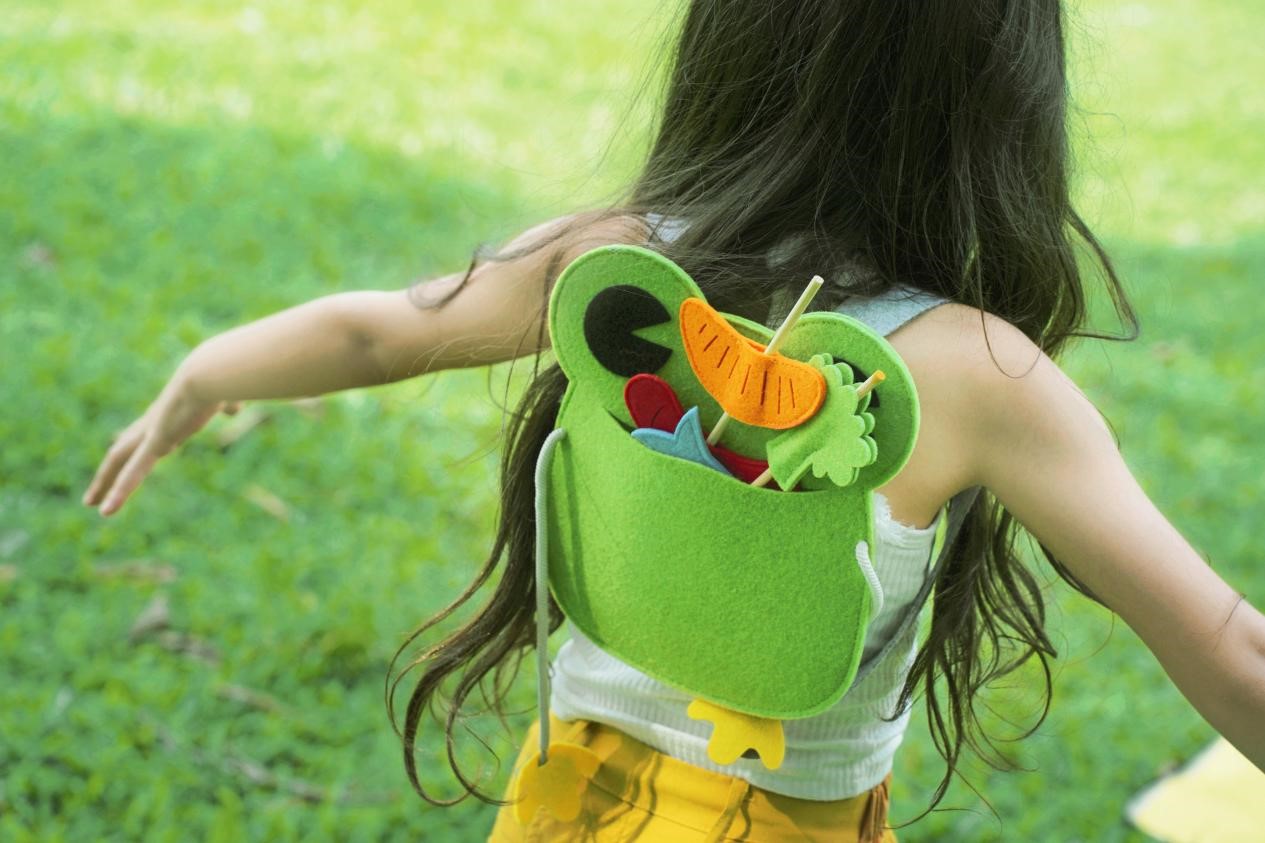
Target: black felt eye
[(859, 376), (609, 322)]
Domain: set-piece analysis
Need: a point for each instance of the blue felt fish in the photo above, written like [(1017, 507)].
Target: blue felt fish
[(686, 442)]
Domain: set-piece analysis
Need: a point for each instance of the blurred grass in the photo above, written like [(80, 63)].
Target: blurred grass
[(172, 169)]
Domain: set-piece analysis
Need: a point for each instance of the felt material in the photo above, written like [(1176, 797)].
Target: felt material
[(765, 390), (859, 375), (744, 468), (893, 403), (834, 443), (1219, 795), (768, 617), (895, 428), (685, 442), (584, 279), (652, 403), (734, 733), (555, 785), (610, 324)]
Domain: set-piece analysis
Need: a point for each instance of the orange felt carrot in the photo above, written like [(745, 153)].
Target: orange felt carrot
[(765, 390)]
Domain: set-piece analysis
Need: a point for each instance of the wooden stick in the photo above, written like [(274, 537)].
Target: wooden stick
[(714, 436), (779, 336), (872, 381), (805, 298), (763, 479)]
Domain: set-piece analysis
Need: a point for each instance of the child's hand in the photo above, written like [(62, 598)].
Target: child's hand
[(173, 417)]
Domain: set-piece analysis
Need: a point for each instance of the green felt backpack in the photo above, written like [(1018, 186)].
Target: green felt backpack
[(687, 558)]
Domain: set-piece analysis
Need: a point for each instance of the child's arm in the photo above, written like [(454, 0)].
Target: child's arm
[(352, 340), (1041, 447)]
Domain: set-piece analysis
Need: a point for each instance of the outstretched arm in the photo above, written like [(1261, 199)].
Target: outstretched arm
[(1041, 447), (353, 340), (371, 337)]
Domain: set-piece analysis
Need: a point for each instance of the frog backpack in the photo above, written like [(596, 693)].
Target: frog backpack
[(703, 507)]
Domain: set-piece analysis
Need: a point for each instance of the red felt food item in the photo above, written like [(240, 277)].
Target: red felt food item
[(653, 403), (745, 469)]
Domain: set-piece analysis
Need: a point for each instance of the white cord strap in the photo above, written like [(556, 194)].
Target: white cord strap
[(542, 585)]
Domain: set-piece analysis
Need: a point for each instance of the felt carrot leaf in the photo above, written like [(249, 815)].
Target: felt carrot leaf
[(834, 445), (765, 390)]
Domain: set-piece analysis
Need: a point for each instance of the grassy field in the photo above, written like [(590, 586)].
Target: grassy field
[(209, 663)]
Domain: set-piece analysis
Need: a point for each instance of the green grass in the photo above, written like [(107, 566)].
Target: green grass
[(168, 170)]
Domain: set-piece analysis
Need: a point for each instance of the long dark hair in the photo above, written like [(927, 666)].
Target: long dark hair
[(874, 143)]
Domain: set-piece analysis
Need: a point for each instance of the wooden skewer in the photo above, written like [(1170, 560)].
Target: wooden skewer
[(769, 350), (872, 381)]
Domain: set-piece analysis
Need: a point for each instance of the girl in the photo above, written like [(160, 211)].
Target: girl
[(915, 155)]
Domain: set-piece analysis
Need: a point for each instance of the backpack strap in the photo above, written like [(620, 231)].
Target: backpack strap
[(891, 308), (951, 526), (884, 313), (543, 461)]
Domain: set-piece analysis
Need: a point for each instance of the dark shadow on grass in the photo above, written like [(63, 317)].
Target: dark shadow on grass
[(146, 202), (126, 242)]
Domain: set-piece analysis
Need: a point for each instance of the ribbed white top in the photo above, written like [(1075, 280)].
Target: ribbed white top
[(842, 752)]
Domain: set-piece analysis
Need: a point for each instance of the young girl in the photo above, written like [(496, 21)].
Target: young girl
[(914, 154)]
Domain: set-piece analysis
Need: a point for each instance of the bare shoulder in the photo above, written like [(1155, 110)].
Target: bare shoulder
[(959, 341), (566, 238), (980, 381), (591, 231), (492, 313)]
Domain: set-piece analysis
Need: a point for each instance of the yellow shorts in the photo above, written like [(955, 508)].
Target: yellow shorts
[(640, 794)]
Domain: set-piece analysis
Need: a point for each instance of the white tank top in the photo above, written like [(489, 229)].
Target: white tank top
[(842, 752)]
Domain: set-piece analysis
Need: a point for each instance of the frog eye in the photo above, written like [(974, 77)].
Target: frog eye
[(858, 376), (611, 321)]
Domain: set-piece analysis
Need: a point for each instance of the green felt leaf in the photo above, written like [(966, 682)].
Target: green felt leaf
[(833, 444)]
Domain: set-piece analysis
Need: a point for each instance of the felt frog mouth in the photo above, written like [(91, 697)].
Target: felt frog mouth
[(653, 404)]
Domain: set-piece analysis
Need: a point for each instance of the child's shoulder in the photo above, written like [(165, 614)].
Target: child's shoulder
[(984, 388)]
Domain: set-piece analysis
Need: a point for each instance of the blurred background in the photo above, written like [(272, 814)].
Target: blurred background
[(209, 663)]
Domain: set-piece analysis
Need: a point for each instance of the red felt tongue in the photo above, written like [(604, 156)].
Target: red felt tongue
[(652, 403)]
